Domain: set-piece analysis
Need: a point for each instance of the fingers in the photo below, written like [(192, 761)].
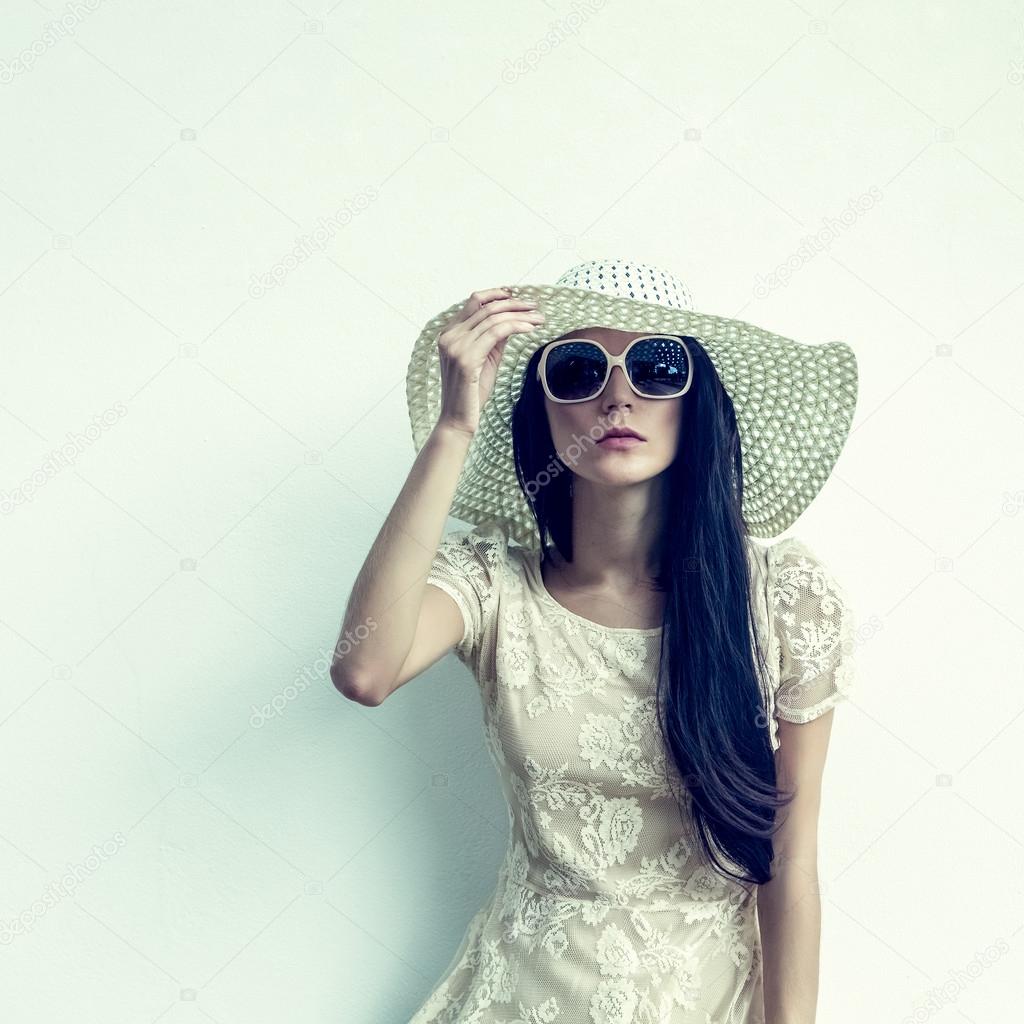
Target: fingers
[(496, 329), (488, 318), (527, 309), (475, 342), (502, 324), (482, 306), (476, 302), (478, 298)]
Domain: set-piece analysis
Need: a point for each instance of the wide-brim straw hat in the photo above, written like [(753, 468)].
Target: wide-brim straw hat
[(794, 402)]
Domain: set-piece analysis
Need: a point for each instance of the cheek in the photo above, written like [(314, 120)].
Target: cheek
[(568, 421), (664, 416), (673, 418), (669, 421), (574, 432)]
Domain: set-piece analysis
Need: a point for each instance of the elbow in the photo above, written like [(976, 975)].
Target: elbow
[(359, 690)]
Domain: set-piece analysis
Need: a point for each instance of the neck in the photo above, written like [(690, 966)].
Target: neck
[(614, 531)]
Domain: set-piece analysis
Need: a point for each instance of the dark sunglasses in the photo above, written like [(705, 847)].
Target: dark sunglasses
[(577, 369)]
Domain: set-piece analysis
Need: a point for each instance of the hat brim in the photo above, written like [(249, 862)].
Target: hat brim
[(794, 404)]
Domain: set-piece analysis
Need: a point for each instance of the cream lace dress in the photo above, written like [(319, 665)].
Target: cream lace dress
[(604, 911)]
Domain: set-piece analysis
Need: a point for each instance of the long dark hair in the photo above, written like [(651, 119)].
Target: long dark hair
[(712, 670)]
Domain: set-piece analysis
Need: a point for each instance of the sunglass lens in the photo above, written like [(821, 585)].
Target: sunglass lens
[(575, 372), (658, 366)]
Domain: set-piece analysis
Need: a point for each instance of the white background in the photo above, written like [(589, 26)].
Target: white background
[(239, 446)]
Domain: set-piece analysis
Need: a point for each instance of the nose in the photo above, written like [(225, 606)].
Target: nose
[(617, 391)]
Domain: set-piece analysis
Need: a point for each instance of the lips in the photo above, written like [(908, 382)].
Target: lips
[(622, 434), (620, 441)]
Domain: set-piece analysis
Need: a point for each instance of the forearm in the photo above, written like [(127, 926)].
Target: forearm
[(383, 608), (789, 914)]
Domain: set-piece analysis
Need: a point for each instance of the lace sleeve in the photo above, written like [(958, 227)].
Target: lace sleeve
[(815, 626), (468, 567)]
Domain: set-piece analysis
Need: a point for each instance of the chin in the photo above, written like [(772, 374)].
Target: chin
[(622, 475)]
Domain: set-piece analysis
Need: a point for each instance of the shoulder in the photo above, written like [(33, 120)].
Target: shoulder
[(480, 553), (792, 562), (791, 548), (486, 542), (804, 590), (814, 631), (471, 566)]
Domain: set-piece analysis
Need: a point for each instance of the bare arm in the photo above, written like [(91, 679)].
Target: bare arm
[(395, 625), (789, 906)]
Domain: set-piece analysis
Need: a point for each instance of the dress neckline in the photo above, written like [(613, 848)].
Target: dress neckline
[(759, 553), (540, 588)]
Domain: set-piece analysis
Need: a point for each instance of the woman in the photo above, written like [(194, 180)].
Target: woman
[(656, 684)]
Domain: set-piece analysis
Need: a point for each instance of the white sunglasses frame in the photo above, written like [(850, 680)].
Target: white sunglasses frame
[(612, 361)]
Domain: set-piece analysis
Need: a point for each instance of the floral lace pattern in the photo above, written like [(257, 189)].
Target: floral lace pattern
[(814, 634), (604, 911)]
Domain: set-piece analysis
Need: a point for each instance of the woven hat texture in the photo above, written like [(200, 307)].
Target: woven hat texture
[(794, 402)]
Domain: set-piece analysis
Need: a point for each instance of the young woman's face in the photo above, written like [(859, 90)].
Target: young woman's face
[(578, 428)]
